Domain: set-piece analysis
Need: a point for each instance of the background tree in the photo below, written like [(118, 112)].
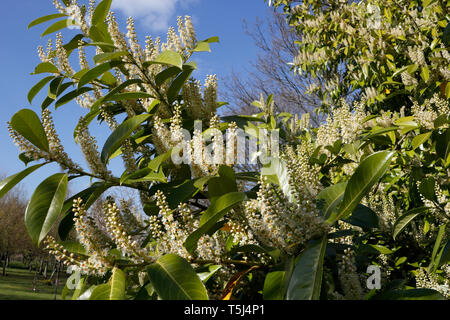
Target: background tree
[(271, 72), (14, 238)]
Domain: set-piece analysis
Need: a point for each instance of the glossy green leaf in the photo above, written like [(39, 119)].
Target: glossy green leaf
[(212, 215), (71, 95), (277, 173), (273, 285), (45, 67), (118, 89), (128, 96), (412, 294), (369, 172), (45, 19), (440, 237), (363, 217), (168, 57), (329, 199), (178, 83), (10, 182), (61, 24), (156, 162), (113, 290), (427, 188), (403, 221), (45, 206), (38, 87), (27, 123), (97, 71), (443, 146), (306, 278), (143, 175), (202, 46), (444, 256), (166, 74), (101, 12), (420, 139), (108, 56), (205, 273), (121, 133), (174, 279)]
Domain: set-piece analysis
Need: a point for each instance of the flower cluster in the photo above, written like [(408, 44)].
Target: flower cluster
[(277, 222), (344, 124)]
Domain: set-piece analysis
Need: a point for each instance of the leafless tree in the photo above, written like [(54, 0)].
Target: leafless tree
[(271, 73)]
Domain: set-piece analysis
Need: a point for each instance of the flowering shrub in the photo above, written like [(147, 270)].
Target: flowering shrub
[(364, 189), (390, 53)]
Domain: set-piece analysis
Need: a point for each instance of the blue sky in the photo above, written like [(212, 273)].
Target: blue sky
[(18, 58)]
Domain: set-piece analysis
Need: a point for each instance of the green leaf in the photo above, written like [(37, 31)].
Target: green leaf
[(97, 71), (202, 46), (156, 162), (205, 273), (435, 262), (427, 188), (178, 83), (306, 278), (363, 217), (101, 12), (330, 198), (61, 24), (176, 192), (168, 57), (71, 95), (144, 175), (109, 56), (402, 222), (174, 279), (38, 87), (366, 175), (420, 139), (446, 37), (114, 91), (425, 73), (444, 256), (128, 96), (443, 146), (45, 19), (54, 87), (121, 133), (10, 182), (45, 206), (45, 67), (273, 285), (413, 294), (223, 184), (27, 123), (113, 290), (166, 74), (212, 215), (277, 173)]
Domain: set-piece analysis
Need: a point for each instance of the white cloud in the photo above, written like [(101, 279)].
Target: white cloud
[(153, 14)]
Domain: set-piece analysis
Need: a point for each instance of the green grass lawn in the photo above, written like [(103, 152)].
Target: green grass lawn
[(18, 285)]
